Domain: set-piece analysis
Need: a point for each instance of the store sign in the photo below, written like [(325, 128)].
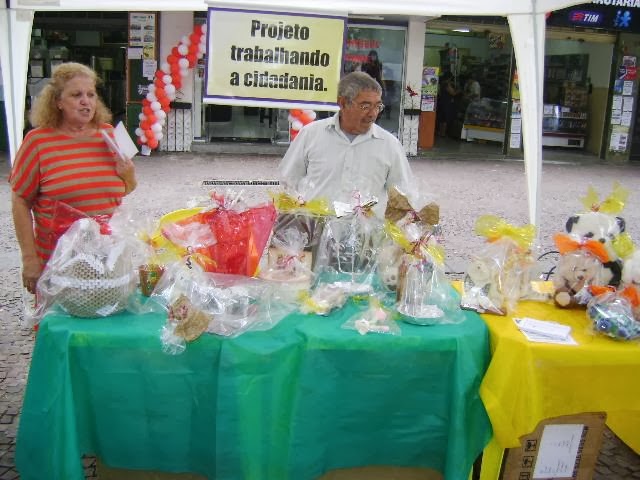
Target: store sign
[(273, 59), (618, 15)]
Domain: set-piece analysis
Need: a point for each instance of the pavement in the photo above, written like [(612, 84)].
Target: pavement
[(465, 186)]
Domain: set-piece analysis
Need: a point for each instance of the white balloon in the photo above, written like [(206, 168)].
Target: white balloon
[(151, 88), (156, 127), (311, 114), (170, 89), (161, 115), (202, 46), (291, 118), (158, 135), (143, 139), (139, 132), (142, 117), (167, 79), (296, 125), (183, 49), (183, 63), (204, 28), (151, 97), (184, 72), (166, 68), (155, 106), (186, 40)]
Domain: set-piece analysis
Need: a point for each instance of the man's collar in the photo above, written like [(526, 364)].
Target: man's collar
[(374, 131)]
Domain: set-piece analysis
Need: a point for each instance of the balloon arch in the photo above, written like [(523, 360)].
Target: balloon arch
[(168, 80)]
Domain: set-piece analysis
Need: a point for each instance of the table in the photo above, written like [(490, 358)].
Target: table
[(528, 382), (293, 402)]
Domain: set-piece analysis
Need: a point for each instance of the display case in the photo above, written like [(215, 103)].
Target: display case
[(485, 119), (566, 98), (563, 126)]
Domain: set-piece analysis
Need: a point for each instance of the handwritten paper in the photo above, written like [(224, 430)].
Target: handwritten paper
[(122, 146), (559, 448)]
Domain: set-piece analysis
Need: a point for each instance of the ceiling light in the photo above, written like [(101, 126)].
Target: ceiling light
[(461, 30)]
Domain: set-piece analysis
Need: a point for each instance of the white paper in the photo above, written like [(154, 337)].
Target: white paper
[(123, 145), (627, 104), (149, 68), (134, 53), (558, 452), (617, 102), (627, 87), (625, 119), (514, 140), (543, 331)]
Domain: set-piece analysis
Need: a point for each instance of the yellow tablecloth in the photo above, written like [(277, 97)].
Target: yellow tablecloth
[(528, 382)]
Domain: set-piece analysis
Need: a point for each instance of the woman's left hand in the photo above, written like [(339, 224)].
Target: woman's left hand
[(124, 167)]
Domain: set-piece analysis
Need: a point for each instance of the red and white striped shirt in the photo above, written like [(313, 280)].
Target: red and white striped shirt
[(79, 171)]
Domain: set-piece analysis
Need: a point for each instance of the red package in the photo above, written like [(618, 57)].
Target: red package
[(240, 238)]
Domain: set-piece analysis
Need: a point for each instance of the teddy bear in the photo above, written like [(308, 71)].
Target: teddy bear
[(588, 257), (481, 287), (575, 273)]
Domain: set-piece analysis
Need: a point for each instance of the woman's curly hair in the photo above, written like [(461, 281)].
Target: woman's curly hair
[(45, 112)]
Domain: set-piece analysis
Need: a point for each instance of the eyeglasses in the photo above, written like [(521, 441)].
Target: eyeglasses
[(367, 107)]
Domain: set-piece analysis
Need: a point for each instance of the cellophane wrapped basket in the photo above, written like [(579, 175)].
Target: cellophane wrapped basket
[(89, 274)]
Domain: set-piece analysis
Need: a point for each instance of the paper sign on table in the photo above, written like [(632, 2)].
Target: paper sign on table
[(545, 331)]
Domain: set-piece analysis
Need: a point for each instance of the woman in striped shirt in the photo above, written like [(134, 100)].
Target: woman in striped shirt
[(65, 159)]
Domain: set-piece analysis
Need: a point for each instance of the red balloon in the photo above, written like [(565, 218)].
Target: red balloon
[(160, 93), (304, 118), (175, 71), (293, 133), (145, 124), (193, 48), (166, 108), (159, 74), (195, 38), (197, 29), (153, 142), (147, 111), (151, 119), (192, 59), (175, 52), (164, 101), (171, 59), (158, 83), (177, 82), (295, 112), (146, 102), (149, 134)]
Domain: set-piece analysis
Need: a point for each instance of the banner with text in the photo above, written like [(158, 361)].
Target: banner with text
[(272, 59)]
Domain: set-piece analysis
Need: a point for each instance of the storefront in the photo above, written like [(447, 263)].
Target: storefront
[(585, 108)]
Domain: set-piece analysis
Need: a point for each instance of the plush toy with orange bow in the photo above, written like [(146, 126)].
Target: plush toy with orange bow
[(591, 249), (630, 287)]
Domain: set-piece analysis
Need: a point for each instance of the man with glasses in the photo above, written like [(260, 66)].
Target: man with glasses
[(347, 155)]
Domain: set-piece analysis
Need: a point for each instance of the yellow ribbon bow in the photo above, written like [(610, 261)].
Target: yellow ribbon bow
[(494, 228)]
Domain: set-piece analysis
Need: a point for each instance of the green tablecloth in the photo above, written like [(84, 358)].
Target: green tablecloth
[(286, 404)]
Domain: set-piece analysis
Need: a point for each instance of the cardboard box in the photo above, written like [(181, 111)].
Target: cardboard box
[(564, 447)]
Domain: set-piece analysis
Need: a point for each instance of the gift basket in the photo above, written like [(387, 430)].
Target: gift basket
[(90, 274), (228, 238), (591, 249), (501, 273), (288, 263), (424, 295), (304, 216), (400, 212), (199, 302)]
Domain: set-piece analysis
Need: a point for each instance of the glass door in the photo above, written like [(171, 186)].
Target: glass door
[(379, 50)]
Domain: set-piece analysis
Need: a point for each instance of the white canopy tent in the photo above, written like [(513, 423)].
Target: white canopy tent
[(526, 23)]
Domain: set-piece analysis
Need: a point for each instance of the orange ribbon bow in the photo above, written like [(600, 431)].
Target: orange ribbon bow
[(567, 244)]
